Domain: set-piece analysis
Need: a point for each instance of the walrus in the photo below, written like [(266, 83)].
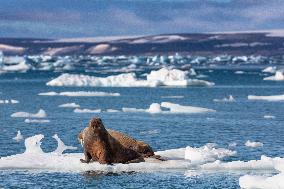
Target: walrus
[(100, 146)]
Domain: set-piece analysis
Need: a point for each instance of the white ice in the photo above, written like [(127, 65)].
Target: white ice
[(61, 147), (253, 144), (79, 93), (20, 67), (270, 69), (40, 114), (85, 110), (35, 158), (269, 117), (170, 108), (69, 105), (229, 99), (162, 77), (19, 136), (12, 101), (277, 77), (267, 98), (37, 120)]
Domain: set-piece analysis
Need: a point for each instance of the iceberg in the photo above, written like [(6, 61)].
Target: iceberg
[(270, 69), (79, 93), (20, 67), (267, 98), (69, 105), (229, 99), (40, 114), (85, 110), (18, 137), (36, 121), (277, 77), (252, 144), (162, 77)]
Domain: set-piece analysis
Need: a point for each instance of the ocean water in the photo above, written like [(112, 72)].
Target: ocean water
[(233, 122)]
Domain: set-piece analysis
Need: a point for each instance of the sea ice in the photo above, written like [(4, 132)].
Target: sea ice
[(37, 121), (267, 98), (79, 93), (229, 99), (69, 105), (270, 69), (19, 136), (252, 144), (162, 77), (277, 77), (40, 114), (85, 110)]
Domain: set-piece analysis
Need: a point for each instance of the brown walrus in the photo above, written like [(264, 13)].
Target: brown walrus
[(100, 146)]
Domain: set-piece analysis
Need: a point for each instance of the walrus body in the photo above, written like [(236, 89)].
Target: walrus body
[(100, 146), (141, 147)]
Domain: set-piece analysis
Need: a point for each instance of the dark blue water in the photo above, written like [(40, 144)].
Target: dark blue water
[(233, 122)]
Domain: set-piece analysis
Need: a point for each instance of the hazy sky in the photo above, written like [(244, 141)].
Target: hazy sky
[(88, 18)]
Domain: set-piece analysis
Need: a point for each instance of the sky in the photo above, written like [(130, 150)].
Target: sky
[(93, 18)]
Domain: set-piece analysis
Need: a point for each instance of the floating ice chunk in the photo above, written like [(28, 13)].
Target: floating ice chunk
[(162, 77), (85, 110), (176, 108), (40, 114), (239, 72), (268, 98), (79, 93), (270, 69), (154, 108), (172, 97), (112, 111), (19, 136), (69, 105), (12, 101), (252, 144), (61, 147), (265, 163), (264, 182), (277, 77), (133, 110), (229, 99), (20, 67), (32, 144), (207, 153), (37, 121), (269, 117)]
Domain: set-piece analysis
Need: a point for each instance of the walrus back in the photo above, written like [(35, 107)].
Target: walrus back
[(131, 143)]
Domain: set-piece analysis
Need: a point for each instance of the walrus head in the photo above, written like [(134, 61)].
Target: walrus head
[(96, 125)]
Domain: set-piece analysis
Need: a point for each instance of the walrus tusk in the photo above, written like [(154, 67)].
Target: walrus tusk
[(82, 142)]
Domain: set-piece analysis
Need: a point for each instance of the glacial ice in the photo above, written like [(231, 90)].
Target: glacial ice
[(69, 105), (229, 99), (40, 114), (267, 98), (162, 77), (277, 77), (37, 121), (79, 93), (85, 110), (19, 136), (171, 108), (253, 144)]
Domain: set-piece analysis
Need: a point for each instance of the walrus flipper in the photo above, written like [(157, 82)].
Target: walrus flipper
[(87, 159), (137, 160)]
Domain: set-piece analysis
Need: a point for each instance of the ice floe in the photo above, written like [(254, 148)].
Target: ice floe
[(169, 108), (229, 99), (267, 98), (20, 67), (37, 121), (269, 117), (19, 136), (270, 69), (40, 114), (253, 144), (85, 110), (112, 111), (162, 77), (79, 93), (277, 77), (69, 105), (12, 101), (35, 158)]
